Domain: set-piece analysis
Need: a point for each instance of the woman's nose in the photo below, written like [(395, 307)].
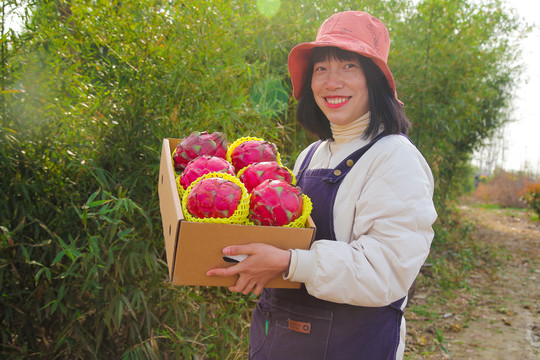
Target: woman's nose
[(334, 80)]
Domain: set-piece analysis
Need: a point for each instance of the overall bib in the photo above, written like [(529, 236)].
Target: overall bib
[(293, 325)]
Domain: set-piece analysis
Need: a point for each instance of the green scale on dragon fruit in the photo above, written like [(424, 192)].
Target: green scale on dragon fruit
[(197, 144), (275, 203)]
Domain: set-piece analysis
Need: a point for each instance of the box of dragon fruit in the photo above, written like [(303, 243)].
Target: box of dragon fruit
[(193, 247)]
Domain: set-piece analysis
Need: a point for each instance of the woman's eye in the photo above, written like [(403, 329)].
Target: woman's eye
[(350, 66), (319, 68)]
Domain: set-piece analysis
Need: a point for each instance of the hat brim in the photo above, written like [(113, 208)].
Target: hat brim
[(300, 58)]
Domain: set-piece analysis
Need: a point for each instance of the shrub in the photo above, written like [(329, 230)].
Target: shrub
[(502, 188), (531, 195)]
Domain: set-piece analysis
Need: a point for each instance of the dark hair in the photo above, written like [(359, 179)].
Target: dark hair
[(383, 105)]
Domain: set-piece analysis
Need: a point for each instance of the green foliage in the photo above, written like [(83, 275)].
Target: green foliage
[(89, 90)]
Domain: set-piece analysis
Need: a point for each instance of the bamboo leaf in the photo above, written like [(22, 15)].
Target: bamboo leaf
[(58, 257)]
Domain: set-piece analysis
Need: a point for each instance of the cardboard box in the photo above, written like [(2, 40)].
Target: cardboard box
[(193, 248)]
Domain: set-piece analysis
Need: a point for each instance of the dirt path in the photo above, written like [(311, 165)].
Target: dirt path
[(498, 316)]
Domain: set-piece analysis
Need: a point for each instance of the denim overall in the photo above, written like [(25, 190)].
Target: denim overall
[(293, 325)]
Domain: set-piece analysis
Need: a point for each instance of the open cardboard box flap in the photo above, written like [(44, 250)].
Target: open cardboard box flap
[(193, 248)]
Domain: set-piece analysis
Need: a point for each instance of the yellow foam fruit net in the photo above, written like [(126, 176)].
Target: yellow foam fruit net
[(240, 215), (172, 160), (293, 182), (238, 141), (179, 186), (307, 206)]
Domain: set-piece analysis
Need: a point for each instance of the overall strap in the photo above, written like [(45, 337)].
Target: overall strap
[(307, 159), (343, 167)]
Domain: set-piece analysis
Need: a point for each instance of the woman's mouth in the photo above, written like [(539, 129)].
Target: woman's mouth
[(336, 101)]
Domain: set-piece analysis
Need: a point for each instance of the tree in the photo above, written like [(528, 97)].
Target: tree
[(456, 66)]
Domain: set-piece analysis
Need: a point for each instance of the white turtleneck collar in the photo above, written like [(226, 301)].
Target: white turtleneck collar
[(346, 133)]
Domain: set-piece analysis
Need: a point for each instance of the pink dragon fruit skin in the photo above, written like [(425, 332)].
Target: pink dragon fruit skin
[(214, 197), (197, 144), (256, 173), (275, 203), (203, 165), (253, 151)]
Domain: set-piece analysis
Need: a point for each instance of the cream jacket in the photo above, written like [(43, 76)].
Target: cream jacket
[(383, 216)]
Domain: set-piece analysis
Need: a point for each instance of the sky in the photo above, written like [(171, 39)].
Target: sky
[(522, 135)]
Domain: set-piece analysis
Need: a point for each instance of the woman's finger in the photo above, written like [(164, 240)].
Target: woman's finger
[(258, 289), (239, 250), (250, 286), (225, 272), (243, 285)]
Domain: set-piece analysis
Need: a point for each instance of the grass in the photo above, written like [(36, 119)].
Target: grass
[(425, 310), (508, 211)]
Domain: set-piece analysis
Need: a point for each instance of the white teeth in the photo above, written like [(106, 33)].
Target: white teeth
[(335, 101)]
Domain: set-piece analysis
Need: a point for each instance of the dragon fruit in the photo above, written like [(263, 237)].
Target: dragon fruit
[(203, 165), (275, 203), (256, 173), (253, 151), (213, 197), (197, 144)]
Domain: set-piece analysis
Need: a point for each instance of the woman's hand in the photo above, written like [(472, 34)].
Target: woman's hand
[(264, 262)]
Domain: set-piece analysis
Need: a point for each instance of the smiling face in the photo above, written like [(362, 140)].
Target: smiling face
[(340, 89)]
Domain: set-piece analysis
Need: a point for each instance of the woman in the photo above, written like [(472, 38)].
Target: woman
[(372, 194)]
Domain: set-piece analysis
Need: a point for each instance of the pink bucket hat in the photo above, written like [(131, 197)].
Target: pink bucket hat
[(354, 31)]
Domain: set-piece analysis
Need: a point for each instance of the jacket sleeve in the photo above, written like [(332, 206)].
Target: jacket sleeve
[(392, 234)]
